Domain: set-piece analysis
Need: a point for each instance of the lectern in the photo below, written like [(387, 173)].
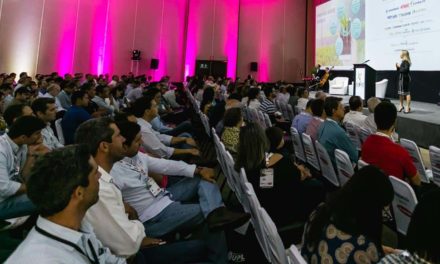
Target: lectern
[(364, 81)]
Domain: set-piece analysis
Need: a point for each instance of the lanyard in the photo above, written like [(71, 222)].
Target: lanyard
[(75, 246)]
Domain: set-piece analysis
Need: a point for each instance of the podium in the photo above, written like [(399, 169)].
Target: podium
[(364, 81)]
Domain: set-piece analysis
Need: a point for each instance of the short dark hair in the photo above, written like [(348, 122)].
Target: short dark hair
[(142, 104), (87, 86), (301, 91), (268, 90), (77, 95), (22, 90), (151, 92), (274, 136), (355, 102), (100, 89), (12, 112), (40, 104), (93, 132), (129, 130), (25, 125), (122, 117), (232, 117), (317, 107), (385, 115), (56, 175), (331, 103)]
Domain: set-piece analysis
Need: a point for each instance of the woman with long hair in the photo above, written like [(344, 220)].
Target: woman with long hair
[(348, 227), (404, 80)]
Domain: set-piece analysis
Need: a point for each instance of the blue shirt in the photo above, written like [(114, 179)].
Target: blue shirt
[(301, 121), (74, 117), (332, 136), (159, 126)]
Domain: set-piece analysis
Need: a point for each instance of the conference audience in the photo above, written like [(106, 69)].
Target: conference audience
[(19, 148), (369, 123), (319, 116), (303, 95), (380, 150), (301, 121), (167, 211), (268, 104), (53, 91), (348, 227), (283, 96), (253, 99), (355, 116), (21, 96), (75, 115), (275, 178), (64, 97), (232, 121), (63, 186), (92, 108), (160, 145), (330, 133), (103, 94)]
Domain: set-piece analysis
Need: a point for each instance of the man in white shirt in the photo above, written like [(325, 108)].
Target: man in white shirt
[(145, 109), (63, 185), (162, 210), (52, 92), (46, 110), (123, 235), (18, 150), (355, 116)]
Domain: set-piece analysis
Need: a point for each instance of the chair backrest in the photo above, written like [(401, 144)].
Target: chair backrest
[(404, 203), (261, 119), (381, 88), (242, 185), (59, 130), (353, 134), (234, 176), (275, 245), (257, 220), (362, 164), (327, 169), (310, 152), (434, 155), (294, 256), (205, 122), (297, 144), (364, 133), (343, 166), (414, 152), (267, 120)]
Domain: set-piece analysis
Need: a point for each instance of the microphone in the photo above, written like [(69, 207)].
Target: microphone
[(365, 61)]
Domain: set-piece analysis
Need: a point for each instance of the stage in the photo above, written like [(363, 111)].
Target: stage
[(422, 125)]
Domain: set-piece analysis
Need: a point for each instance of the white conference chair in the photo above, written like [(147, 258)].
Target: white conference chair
[(294, 256), (59, 130), (404, 203), (310, 152), (381, 88), (364, 133), (343, 166), (434, 155), (414, 152), (205, 122), (327, 169), (275, 246), (338, 85), (297, 144)]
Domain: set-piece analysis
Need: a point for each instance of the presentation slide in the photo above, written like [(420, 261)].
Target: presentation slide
[(354, 31)]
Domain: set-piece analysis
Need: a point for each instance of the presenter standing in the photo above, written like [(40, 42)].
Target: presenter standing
[(404, 80)]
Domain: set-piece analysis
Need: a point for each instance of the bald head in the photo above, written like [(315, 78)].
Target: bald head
[(372, 103)]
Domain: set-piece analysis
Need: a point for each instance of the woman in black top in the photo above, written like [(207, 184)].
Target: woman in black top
[(293, 195), (404, 80)]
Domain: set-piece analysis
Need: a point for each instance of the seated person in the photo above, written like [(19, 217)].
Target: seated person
[(75, 115), (303, 95), (102, 93), (355, 116), (232, 121), (301, 121), (63, 185), (330, 133), (46, 110), (423, 233), (319, 116), (21, 96), (19, 149), (253, 99), (160, 145), (15, 111), (380, 150), (348, 227), (268, 104), (293, 99), (369, 120), (286, 181)]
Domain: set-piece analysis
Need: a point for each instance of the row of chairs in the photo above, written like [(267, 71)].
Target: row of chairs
[(265, 229), (256, 116)]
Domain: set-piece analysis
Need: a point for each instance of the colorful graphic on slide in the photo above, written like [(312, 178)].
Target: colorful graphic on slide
[(340, 32)]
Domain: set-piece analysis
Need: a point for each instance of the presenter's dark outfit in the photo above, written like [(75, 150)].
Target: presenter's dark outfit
[(404, 78)]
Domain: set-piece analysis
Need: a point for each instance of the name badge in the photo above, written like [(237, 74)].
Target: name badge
[(153, 187), (266, 178)]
